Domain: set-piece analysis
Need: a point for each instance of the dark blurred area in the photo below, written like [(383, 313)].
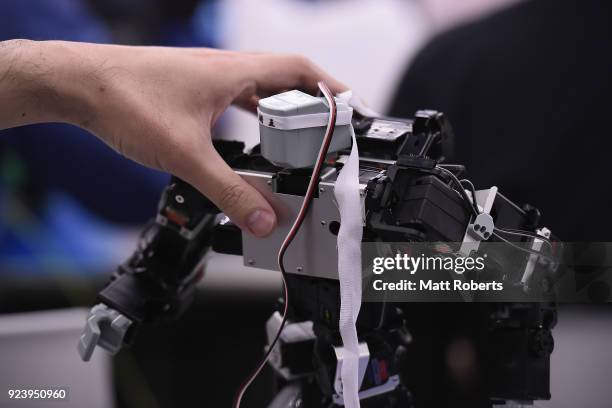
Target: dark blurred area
[(197, 360), (151, 22), (526, 86), (528, 92)]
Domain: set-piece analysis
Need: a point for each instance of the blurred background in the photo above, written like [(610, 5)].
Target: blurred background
[(526, 84)]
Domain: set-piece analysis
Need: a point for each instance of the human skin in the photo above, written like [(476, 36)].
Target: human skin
[(154, 105)]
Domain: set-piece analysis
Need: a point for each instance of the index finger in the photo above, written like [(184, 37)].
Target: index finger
[(274, 73)]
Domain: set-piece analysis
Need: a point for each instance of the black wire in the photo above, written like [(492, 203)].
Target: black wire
[(536, 253), (460, 189), (524, 233), (473, 191)]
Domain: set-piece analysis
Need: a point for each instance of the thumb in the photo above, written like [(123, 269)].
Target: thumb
[(240, 201)]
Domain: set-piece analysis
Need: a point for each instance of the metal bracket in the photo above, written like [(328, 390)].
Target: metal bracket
[(481, 228), (533, 259), (316, 236), (106, 328)]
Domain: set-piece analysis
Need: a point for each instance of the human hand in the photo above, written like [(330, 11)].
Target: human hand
[(157, 106)]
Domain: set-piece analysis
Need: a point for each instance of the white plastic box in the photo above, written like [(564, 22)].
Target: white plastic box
[(292, 127)]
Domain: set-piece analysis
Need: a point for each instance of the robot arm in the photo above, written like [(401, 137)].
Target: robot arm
[(158, 280)]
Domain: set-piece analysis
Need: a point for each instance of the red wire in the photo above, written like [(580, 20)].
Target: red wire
[(312, 185)]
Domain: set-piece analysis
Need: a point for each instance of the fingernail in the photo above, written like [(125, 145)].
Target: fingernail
[(260, 223)]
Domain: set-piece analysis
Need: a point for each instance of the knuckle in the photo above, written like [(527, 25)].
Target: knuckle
[(308, 64), (301, 61)]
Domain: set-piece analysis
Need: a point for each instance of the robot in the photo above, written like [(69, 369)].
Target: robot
[(410, 192)]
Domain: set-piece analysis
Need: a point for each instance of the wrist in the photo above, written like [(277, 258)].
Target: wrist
[(69, 84), (46, 82)]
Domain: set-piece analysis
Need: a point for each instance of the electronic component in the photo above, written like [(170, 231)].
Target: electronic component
[(292, 125)]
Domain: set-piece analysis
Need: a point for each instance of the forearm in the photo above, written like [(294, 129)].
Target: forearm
[(154, 105), (44, 82)]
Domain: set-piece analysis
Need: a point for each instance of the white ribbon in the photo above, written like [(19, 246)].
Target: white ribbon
[(346, 192)]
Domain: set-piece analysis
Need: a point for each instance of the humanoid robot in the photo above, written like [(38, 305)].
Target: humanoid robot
[(410, 192)]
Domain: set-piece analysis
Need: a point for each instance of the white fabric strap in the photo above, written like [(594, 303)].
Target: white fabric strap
[(358, 105), (346, 192), (302, 121)]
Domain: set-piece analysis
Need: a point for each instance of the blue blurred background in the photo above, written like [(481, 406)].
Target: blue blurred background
[(68, 202)]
